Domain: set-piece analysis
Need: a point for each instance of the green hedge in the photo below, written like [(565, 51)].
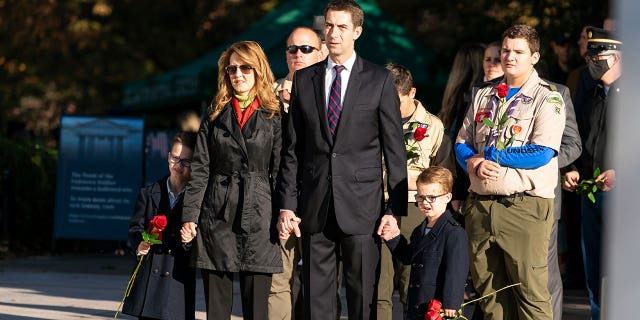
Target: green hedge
[(30, 191)]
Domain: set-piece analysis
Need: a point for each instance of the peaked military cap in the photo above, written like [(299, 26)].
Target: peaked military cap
[(601, 40)]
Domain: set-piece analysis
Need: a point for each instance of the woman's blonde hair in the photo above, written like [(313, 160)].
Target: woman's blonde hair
[(252, 54)]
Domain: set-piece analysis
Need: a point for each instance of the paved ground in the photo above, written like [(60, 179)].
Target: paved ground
[(91, 287)]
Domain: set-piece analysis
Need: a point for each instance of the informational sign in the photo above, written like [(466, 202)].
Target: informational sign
[(99, 175)]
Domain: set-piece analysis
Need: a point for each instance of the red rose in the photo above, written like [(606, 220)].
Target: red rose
[(420, 133), (502, 90), (434, 305), (158, 223), (481, 115), (432, 315)]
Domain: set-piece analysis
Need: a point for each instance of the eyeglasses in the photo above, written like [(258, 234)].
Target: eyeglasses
[(429, 199), (306, 49), (244, 68), (185, 163)]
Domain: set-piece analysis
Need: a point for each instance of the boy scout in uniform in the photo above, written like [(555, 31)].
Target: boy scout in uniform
[(511, 160)]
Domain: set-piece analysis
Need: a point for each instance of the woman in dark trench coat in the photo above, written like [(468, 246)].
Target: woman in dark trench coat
[(165, 286), (227, 206)]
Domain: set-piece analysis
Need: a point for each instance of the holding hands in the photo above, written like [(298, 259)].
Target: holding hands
[(389, 228), (288, 223), (188, 231)]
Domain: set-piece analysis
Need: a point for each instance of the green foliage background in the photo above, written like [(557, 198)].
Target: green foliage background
[(31, 170)]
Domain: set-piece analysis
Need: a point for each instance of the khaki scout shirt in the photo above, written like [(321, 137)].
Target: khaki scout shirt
[(541, 115), (278, 86), (427, 148)]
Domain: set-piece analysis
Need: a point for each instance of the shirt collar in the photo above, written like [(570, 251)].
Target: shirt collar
[(173, 197), (348, 64)]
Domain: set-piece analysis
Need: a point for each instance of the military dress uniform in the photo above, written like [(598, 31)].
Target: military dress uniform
[(434, 149), (509, 220)]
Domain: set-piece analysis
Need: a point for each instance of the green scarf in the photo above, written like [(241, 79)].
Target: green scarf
[(245, 101)]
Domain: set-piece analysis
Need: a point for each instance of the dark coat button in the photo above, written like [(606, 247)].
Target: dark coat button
[(166, 274)]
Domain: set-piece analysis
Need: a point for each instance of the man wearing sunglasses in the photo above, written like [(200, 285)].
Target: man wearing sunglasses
[(302, 51)]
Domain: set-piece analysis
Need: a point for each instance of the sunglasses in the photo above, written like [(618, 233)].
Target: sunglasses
[(244, 68), (306, 49)]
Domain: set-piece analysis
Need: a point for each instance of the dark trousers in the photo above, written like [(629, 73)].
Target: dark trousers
[(555, 278), (218, 294), (321, 255), (591, 248)]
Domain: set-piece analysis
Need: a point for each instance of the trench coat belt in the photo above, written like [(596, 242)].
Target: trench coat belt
[(244, 178)]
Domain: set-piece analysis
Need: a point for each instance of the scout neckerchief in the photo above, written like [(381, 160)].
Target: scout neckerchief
[(495, 132)]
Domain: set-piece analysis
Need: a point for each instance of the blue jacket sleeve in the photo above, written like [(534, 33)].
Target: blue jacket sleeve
[(530, 156), (463, 152)]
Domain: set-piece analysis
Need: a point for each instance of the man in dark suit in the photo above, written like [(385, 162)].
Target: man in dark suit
[(344, 117)]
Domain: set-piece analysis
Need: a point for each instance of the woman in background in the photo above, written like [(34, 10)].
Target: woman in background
[(466, 72), (491, 62)]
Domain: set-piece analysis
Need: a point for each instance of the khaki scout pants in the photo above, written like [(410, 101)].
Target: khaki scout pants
[(280, 302), (385, 285), (509, 243)]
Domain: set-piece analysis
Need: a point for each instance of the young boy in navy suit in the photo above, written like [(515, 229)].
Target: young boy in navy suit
[(437, 251)]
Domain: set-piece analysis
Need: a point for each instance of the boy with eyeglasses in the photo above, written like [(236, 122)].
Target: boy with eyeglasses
[(437, 251), (165, 287)]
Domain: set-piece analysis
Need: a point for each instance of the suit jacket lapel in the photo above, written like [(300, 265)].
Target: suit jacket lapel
[(229, 122), (318, 86), (351, 96)]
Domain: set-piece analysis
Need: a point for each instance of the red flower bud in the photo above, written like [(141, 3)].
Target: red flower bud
[(158, 222), (607, 182), (432, 315), (420, 133), (434, 305), (502, 90)]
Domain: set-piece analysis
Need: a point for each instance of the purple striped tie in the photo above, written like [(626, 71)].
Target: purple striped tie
[(334, 109)]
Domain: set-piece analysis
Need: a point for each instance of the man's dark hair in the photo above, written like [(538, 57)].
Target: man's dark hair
[(186, 139), (522, 31), (401, 78), (357, 15)]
